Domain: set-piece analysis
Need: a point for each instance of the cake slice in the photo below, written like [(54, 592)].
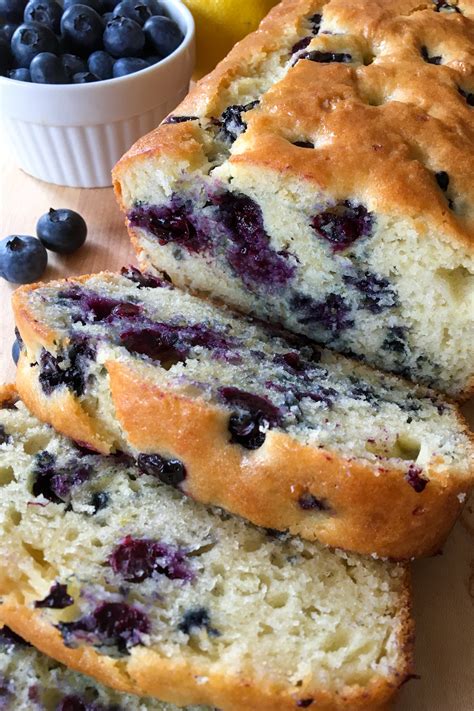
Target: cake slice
[(107, 570), (30, 681), (322, 178), (237, 415)]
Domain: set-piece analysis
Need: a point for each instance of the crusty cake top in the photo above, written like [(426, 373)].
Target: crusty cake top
[(383, 90)]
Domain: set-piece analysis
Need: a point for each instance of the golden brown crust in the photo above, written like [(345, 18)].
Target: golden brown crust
[(371, 508), (147, 673), (384, 127)]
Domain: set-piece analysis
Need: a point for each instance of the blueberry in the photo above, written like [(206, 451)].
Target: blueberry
[(442, 178), (7, 30), (416, 479), (5, 56), (171, 223), (124, 37), (308, 502), (153, 59), (46, 12), (128, 65), (195, 619), (136, 559), (84, 78), (31, 38), (73, 702), (431, 60), (232, 122), (47, 68), (82, 27), (343, 224), (304, 703), (23, 259), (169, 471), (107, 17), (12, 10), (111, 623), (62, 230), (20, 74), (163, 35), (469, 96), (73, 64), (94, 4), (134, 9), (16, 348), (101, 64), (99, 501), (155, 7), (56, 599), (327, 57)]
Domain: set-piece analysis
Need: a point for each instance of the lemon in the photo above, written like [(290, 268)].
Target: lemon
[(222, 23)]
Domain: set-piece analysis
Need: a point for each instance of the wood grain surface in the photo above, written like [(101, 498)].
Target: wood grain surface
[(443, 586)]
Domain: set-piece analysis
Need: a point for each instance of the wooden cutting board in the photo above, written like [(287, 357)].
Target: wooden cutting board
[(443, 586)]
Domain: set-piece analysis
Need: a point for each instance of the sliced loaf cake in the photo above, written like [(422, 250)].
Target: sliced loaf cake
[(120, 577), (322, 177), (236, 415)]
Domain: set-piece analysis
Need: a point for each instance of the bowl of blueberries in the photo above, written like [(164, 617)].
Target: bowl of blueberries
[(81, 80)]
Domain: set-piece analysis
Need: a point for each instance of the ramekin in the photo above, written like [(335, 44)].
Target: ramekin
[(73, 134)]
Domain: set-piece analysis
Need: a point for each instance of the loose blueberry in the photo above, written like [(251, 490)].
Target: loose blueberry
[(12, 10), (94, 4), (46, 12), (163, 35), (232, 123), (47, 68), (56, 599), (23, 259), (129, 65), (196, 619), (82, 28), (20, 74), (343, 224), (168, 471), (155, 7), (7, 30), (101, 64), (16, 348), (133, 9), (31, 38), (62, 230), (73, 64), (136, 559), (124, 37)]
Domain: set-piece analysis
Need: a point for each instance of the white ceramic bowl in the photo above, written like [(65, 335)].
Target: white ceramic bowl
[(73, 134)]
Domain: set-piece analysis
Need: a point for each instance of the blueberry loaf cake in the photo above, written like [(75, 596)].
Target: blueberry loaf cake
[(31, 681), (322, 178), (125, 579), (235, 415)]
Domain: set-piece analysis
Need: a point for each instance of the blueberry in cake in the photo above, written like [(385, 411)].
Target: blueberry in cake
[(155, 594), (238, 415), (321, 177), (30, 681)]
